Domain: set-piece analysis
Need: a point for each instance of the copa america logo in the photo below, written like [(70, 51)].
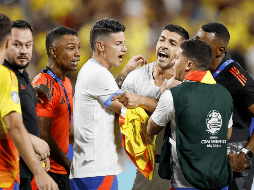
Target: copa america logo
[(213, 122)]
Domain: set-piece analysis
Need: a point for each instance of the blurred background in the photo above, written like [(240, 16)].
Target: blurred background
[(144, 20)]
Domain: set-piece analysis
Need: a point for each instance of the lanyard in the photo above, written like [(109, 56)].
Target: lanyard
[(222, 67), (60, 82)]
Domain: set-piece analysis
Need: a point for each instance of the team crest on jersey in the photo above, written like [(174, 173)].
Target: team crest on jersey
[(15, 97), (213, 122)]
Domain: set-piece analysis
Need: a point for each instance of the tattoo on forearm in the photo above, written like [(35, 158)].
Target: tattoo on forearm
[(119, 80)]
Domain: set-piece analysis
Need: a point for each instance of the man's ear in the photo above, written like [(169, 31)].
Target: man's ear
[(100, 46), (190, 66), (220, 51), (52, 51), (7, 42)]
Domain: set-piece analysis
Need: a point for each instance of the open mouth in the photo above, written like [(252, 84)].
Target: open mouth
[(163, 55), (120, 57)]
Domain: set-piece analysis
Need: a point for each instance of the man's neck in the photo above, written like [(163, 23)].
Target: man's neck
[(160, 75), (215, 63), (57, 71), (100, 60)]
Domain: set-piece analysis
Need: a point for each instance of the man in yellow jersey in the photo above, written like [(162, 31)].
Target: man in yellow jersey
[(13, 135)]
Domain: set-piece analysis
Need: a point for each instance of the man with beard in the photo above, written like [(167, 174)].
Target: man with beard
[(13, 134), (142, 87), (232, 76), (200, 111), (17, 59), (62, 45)]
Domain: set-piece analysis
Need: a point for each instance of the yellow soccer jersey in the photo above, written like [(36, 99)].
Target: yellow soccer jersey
[(9, 101)]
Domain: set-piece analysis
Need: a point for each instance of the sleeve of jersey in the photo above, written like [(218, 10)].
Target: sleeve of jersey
[(131, 82), (103, 87), (45, 109), (230, 123), (165, 109), (244, 86), (249, 92), (9, 94)]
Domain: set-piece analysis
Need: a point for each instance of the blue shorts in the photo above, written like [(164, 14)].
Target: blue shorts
[(95, 183), (14, 187)]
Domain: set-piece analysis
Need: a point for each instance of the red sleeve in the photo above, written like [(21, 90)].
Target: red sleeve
[(45, 109)]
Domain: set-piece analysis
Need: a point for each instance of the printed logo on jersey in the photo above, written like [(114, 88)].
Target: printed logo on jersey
[(15, 97), (62, 100), (213, 122), (50, 84), (238, 75), (22, 87)]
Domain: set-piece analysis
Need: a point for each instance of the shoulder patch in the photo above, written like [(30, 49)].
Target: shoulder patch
[(15, 97)]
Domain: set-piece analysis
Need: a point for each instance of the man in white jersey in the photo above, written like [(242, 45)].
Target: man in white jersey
[(142, 88), (97, 157), (190, 67)]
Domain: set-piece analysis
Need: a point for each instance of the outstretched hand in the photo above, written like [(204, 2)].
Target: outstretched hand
[(133, 63), (42, 89), (165, 85)]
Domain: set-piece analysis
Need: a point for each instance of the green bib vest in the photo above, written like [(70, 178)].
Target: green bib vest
[(202, 112)]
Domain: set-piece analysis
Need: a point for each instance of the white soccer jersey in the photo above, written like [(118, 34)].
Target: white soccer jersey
[(141, 82), (97, 143)]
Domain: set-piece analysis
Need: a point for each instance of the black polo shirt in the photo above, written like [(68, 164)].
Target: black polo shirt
[(28, 102), (241, 87)]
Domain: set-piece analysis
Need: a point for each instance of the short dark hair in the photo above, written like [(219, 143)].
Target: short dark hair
[(56, 34), (104, 27), (199, 52), (5, 27), (220, 31), (21, 24), (177, 29)]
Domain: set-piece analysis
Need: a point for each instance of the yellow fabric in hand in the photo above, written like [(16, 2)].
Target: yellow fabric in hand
[(136, 141)]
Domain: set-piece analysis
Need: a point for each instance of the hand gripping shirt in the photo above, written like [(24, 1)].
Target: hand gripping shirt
[(9, 102), (141, 82), (58, 111), (97, 140)]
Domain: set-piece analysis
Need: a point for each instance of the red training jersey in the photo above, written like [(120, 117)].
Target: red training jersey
[(58, 110)]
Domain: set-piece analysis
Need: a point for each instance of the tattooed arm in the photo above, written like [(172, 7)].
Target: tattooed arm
[(132, 64), (120, 78)]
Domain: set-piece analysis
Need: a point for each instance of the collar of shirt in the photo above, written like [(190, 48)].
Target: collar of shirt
[(227, 57), (201, 76), (16, 71)]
